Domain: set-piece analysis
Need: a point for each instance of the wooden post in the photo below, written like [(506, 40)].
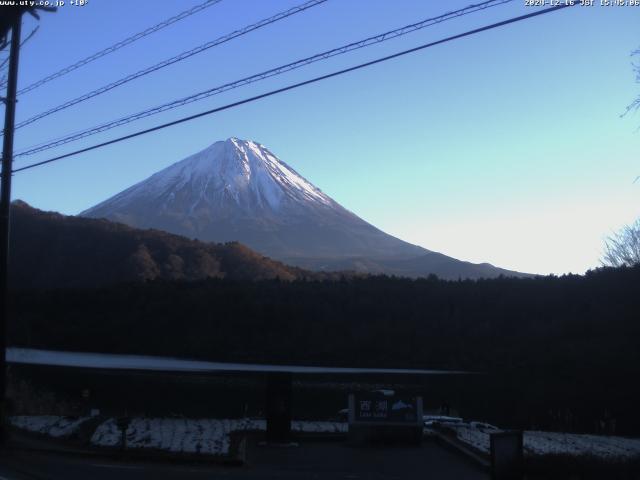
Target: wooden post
[(279, 404)]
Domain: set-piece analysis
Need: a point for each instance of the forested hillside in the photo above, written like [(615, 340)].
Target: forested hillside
[(50, 250), (544, 343)]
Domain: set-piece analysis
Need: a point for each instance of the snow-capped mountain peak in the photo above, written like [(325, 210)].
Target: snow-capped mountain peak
[(237, 190), (240, 171)]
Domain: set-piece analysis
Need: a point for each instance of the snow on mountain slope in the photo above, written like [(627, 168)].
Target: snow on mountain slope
[(239, 190), (244, 172)]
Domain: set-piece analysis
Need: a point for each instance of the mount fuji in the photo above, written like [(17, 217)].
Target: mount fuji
[(237, 190)]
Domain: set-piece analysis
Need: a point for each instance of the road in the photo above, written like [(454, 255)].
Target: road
[(312, 460)]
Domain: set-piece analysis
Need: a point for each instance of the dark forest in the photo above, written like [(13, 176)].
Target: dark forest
[(547, 344)]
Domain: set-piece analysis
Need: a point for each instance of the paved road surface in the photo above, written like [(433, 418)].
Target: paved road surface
[(311, 460)]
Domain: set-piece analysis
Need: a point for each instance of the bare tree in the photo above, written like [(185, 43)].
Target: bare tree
[(635, 105), (623, 247)]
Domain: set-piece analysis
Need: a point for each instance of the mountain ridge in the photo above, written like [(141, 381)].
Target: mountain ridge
[(237, 190), (51, 250)]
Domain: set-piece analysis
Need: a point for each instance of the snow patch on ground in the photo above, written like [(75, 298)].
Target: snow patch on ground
[(204, 436), (554, 443), (50, 425), (610, 448), (107, 434), (474, 437), (319, 427)]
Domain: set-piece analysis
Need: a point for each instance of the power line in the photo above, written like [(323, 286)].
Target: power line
[(120, 44), (298, 85), (261, 76), (5, 65), (172, 60)]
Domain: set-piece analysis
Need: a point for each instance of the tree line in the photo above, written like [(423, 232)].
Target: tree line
[(543, 344)]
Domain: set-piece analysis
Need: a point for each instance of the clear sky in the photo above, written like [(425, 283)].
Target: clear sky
[(505, 147)]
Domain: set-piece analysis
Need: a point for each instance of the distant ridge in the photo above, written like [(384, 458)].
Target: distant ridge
[(50, 250)]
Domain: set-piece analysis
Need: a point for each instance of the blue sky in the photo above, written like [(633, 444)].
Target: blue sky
[(505, 147)]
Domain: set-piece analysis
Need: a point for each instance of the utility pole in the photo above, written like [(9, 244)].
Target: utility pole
[(5, 205), (10, 19)]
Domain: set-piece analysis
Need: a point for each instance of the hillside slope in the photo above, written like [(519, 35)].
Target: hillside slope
[(53, 250)]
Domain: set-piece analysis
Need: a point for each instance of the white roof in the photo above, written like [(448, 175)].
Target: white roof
[(109, 361)]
